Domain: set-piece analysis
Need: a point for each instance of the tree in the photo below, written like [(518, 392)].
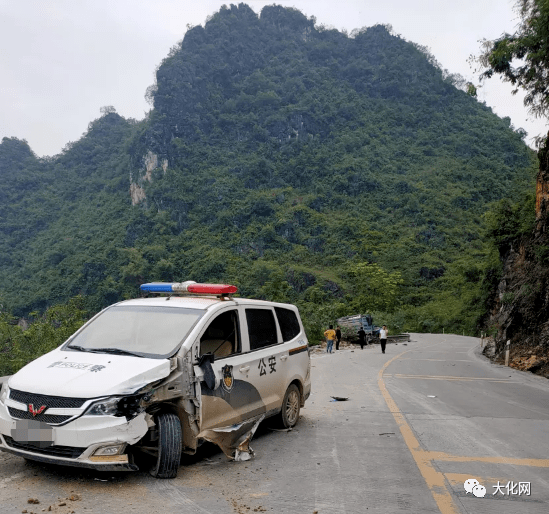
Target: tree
[(107, 109), (375, 288), (276, 289), (471, 89), (529, 45), (18, 347)]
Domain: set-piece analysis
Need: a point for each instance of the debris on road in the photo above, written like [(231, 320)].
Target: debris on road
[(387, 433), (339, 399)]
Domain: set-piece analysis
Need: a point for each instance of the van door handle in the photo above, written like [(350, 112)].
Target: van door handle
[(283, 357), (244, 369)]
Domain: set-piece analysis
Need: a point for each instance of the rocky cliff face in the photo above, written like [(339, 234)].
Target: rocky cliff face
[(520, 309), (149, 163)]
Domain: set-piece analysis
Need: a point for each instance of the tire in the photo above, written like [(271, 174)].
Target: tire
[(291, 406), (170, 441)]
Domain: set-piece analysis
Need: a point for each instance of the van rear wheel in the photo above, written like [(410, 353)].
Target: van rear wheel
[(170, 441), (291, 406)]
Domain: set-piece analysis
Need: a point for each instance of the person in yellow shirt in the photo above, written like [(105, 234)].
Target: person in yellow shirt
[(330, 336)]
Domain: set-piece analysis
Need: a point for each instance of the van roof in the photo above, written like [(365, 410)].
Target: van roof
[(199, 302), (184, 302)]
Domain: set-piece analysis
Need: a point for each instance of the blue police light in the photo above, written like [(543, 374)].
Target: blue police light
[(158, 287)]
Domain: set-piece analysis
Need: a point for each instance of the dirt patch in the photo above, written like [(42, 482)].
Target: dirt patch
[(343, 345), (61, 506), (521, 357)]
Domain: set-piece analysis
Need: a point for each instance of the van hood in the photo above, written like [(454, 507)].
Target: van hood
[(88, 375)]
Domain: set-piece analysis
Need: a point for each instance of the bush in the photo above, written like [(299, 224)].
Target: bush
[(18, 347)]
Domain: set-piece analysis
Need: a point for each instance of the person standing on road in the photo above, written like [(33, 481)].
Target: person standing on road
[(330, 336), (383, 337), (361, 338), (338, 336)]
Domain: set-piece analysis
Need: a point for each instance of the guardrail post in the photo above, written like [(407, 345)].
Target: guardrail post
[(507, 352)]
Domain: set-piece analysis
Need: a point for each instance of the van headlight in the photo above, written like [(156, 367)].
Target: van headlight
[(127, 406), (105, 407), (4, 391)]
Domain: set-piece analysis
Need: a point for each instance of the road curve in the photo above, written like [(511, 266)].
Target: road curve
[(419, 421), (465, 418)]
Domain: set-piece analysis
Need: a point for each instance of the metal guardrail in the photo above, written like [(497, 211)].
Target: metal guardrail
[(398, 338)]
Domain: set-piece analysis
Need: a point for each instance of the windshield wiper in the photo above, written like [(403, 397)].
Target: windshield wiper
[(116, 351), (79, 348)]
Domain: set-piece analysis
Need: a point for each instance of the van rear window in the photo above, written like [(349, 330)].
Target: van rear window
[(261, 328), (289, 325)]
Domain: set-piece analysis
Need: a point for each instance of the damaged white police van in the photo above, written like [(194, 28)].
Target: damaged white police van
[(147, 379)]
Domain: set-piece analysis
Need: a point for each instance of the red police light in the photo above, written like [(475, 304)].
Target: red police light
[(212, 288)]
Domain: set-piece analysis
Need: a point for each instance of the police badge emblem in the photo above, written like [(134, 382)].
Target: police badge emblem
[(228, 380)]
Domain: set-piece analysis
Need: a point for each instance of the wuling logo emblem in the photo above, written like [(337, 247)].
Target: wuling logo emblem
[(34, 411)]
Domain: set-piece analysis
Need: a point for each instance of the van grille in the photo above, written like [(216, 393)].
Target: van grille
[(70, 452), (51, 402), (52, 419)]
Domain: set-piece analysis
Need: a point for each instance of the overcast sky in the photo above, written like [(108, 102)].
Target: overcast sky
[(61, 60)]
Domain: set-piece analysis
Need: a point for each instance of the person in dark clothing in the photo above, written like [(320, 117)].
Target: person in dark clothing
[(361, 338), (338, 337)]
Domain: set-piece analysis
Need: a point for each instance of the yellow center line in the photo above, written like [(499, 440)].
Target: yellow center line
[(435, 351), (446, 457), (460, 478), (436, 360), (434, 479), (451, 376), (442, 377)]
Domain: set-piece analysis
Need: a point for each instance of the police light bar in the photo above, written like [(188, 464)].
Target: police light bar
[(188, 287)]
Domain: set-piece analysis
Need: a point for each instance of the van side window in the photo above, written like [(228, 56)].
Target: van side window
[(289, 325), (222, 337), (261, 328)]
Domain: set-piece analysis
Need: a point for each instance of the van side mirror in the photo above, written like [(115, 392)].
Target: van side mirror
[(205, 364), (210, 357)]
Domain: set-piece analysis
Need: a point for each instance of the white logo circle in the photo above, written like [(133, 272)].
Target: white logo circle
[(479, 491), (469, 484)]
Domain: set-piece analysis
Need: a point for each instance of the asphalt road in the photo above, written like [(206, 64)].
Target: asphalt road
[(418, 422)]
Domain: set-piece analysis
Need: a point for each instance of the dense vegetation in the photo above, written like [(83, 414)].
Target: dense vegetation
[(518, 306), (344, 173)]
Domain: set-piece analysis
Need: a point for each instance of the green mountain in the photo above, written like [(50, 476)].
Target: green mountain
[(341, 172)]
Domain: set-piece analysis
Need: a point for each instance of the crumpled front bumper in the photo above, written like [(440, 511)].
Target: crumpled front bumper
[(75, 443)]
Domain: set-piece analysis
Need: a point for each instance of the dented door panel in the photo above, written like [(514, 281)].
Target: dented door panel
[(226, 399), (229, 402), (268, 356)]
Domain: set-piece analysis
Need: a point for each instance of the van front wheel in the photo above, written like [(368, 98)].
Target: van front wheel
[(290, 407), (170, 441)]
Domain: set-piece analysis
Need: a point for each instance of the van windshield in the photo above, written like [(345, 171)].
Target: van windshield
[(143, 330)]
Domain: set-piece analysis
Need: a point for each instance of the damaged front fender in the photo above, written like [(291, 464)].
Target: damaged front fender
[(234, 440)]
